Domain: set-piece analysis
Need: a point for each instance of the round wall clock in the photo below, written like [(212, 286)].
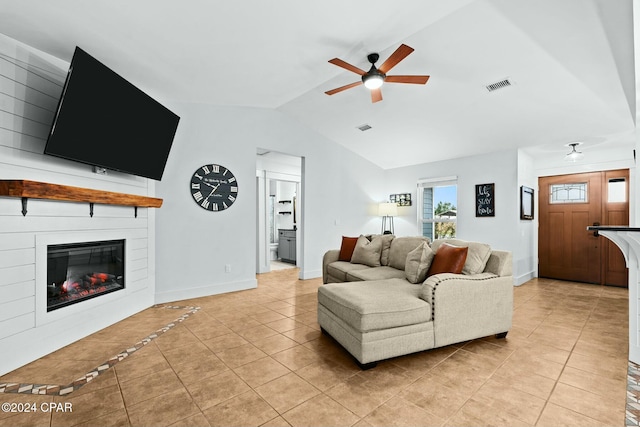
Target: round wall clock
[(214, 187)]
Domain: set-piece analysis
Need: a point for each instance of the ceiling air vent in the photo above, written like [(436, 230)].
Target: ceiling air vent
[(498, 85), (364, 127)]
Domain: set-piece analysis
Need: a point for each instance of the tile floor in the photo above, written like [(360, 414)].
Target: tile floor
[(257, 357), (281, 265)]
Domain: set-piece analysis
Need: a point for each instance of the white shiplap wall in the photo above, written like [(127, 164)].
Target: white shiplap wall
[(30, 85)]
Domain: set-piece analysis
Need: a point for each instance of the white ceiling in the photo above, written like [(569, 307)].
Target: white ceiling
[(570, 62)]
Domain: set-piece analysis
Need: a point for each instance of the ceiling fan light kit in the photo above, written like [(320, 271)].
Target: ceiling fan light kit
[(373, 81), (375, 77)]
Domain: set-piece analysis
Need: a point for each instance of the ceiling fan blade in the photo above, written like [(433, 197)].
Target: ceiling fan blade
[(341, 88), (347, 66), (397, 56), (418, 80), (376, 95)]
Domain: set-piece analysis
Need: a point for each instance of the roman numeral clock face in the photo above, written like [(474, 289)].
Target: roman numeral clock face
[(214, 187)]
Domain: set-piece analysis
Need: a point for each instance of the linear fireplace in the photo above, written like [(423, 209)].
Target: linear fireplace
[(79, 271)]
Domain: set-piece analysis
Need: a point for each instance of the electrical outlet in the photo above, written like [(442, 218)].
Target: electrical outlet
[(227, 268)]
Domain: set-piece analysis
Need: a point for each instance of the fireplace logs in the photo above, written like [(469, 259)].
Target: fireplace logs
[(81, 271)]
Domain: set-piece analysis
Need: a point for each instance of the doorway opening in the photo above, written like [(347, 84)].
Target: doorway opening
[(568, 204), (279, 178)]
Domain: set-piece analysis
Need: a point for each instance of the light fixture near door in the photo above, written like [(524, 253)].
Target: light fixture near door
[(574, 155)]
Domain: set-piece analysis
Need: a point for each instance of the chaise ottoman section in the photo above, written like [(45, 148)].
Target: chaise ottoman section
[(376, 320), (377, 304)]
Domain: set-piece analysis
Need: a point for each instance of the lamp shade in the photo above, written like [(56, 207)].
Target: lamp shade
[(388, 209)]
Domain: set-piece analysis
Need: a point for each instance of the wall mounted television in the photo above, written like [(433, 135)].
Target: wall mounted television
[(105, 121)]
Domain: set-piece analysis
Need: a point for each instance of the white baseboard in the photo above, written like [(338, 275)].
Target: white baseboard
[(310, 274), (204, 291), (524, 278)]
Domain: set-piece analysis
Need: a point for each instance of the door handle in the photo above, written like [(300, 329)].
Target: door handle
[(595, 233)]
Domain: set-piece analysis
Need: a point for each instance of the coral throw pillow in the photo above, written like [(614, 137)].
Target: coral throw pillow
[(347, 247), (448, 259)]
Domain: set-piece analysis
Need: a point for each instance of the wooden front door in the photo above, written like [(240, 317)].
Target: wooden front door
[(568, 204)]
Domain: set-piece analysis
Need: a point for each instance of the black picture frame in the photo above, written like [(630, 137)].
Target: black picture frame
[(485, 200), (526, 203)]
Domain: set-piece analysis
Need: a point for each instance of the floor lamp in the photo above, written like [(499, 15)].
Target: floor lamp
[(387, 211)]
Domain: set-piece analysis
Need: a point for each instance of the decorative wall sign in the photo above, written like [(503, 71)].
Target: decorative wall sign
[(485, 200), (403, 199), (526, 203)]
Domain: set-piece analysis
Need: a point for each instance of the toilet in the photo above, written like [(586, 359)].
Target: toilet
[(273, 251)]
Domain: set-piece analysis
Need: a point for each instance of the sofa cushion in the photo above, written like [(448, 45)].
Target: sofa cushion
[(418, 263), (477, 256), (400, 248), (386, 246), (375, 273), (367, 252), (347, 247), (374, 305), (448, 259), (339, 269)]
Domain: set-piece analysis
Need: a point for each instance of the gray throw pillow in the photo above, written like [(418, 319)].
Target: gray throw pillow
[(400, 248), (367, 252), (386, 246), (418, 263)]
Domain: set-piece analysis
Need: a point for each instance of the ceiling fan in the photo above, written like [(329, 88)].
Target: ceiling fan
[(375, 77)]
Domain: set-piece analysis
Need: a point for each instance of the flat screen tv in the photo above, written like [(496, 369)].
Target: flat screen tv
[(105, 121)]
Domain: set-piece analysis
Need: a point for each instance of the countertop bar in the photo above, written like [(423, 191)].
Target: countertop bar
[(612, 228), (628, 240)]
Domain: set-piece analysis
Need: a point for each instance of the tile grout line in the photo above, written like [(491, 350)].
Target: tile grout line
[(64, 390), (124, 405)]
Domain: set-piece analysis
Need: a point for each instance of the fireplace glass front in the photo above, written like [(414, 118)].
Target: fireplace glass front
[(79, 271)]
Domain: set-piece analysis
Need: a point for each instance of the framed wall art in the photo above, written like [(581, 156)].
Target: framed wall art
[(526, 203), (485, 200), (402, 199)]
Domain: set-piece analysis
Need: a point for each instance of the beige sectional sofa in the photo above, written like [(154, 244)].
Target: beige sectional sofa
[(372, 308)]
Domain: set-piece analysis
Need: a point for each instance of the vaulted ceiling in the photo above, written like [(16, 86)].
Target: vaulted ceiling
[(570, 64)]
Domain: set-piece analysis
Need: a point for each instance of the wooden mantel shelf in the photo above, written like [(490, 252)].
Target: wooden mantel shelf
[(42, 190)]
